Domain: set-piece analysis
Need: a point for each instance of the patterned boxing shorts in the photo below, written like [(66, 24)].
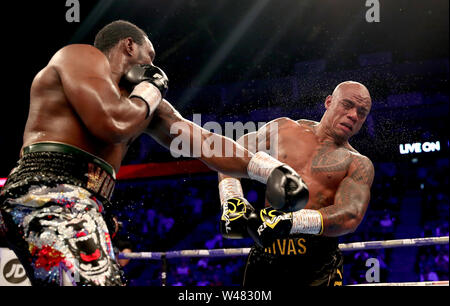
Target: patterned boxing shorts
[(60, 236)]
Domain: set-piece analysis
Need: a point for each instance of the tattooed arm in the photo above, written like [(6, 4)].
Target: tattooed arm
[(351, 199)]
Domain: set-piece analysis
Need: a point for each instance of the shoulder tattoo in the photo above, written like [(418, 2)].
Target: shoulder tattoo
[(364, 171)]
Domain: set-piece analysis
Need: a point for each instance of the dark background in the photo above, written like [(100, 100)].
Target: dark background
[(255, 61), (211, 47)]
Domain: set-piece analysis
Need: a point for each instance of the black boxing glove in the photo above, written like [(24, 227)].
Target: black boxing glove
[(235, 209), (145, 73), (137, 81), (285, 189), (269, 224), (233, 222)]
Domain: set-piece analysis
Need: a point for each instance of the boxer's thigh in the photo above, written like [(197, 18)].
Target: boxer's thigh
[(263, 269), (64, 242), (329, 272)]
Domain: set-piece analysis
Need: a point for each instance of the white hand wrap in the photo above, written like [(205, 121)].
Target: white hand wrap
[(261, 166), (230, 188), (307, 221), (149, 93)]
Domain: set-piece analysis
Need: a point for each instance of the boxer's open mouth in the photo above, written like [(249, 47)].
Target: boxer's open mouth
[(347, 126)]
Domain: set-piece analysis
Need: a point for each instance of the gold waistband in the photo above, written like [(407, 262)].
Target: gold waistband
[(92, 172), (66, 148)]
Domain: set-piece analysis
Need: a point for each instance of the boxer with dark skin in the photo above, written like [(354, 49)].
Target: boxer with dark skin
[(339, 181), (76, 100), (86, 107)]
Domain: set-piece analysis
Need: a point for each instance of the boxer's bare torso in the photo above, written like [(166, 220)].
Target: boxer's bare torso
[(54, 116), (337, 176), (51, 118), (76, 100), (321, 164)]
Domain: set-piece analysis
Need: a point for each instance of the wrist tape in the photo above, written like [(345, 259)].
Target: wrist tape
[(307, 221), (146, 92), (230, 188), (261, 166)]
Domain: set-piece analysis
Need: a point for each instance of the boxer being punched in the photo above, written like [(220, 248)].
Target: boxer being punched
[(299, 245), (86, 107)]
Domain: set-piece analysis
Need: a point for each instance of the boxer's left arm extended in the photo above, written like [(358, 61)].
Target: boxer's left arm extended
[(168, 124), (230, 158)]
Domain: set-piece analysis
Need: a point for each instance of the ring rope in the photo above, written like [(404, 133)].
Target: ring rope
[(354, 246), (141, 255), (396, 243), (427, 283)]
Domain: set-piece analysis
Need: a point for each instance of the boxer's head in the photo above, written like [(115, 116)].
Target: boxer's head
[(346, 110), (126, 40)]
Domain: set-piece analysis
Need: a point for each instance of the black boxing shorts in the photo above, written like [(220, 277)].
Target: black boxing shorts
[(300, 260), (52, 209)]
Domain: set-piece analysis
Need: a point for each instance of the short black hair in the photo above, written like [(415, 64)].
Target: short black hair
[(114, 32)]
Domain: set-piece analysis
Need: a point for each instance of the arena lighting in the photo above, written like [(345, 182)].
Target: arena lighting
[(90, 21), (223, 50), (420, 147), (274, 39)]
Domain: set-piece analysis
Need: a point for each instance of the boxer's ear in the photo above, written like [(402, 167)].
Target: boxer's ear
[(129, 45), (328, 102)]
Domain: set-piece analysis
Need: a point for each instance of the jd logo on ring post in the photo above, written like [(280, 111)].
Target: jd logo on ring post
[(14, 272)]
